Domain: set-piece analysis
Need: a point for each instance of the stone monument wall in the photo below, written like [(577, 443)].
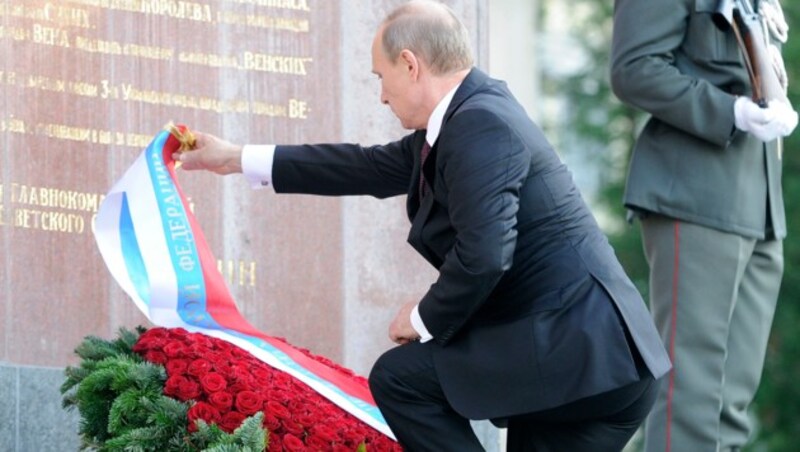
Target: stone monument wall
[(86, 84)]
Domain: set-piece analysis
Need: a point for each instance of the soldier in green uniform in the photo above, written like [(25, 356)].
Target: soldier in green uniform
[(705, 180)]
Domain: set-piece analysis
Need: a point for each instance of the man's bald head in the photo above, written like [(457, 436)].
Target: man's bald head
[(432, 32)]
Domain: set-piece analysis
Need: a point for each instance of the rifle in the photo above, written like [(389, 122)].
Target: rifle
[(752, 39)]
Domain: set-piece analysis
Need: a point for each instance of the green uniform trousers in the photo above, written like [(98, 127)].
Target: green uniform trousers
[(713, 296)]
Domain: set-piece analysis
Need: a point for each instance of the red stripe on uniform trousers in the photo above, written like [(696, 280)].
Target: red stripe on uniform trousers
[(673, 330)]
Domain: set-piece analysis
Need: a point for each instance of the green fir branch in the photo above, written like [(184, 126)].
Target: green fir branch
[(120, 399), (251, 434), (143, 439), (208, 435), (168, 412), (230, 448), (131, 409)]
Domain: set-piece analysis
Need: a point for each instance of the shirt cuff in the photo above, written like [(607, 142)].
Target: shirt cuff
[(257, 164), (419, 327)]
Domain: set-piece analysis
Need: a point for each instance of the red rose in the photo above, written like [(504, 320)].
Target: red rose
[(199, 367), (154, 356), (157, 332), (223, 345), (213, 382), (222, 367), (176, 366), (204, 411), (272, 424), (231, 421), (278, 410), (222, 400), (278, 395), (199, 351), (201, 341), (239, 387), (307, 420), (173, 384), (181, 388), (330, 411), (384, 443), (317, 443), (174, 349), (214, 358), (275, 443), (229, 354), (281, 380), (327, 433), (148, 343), (248, 402), (356, 432), (341, 448), (241, 374), (263, 376), (293, 427), (241, 353), (178, 332), (293, 443), (297, 406)]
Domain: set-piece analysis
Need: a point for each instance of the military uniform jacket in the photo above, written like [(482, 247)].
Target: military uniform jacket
[(523, 312), (689, 163)]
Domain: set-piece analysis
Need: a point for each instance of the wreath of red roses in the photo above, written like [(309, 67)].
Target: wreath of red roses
[(228, 384)]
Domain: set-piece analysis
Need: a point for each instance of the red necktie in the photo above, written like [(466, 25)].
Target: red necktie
[(423, 155)]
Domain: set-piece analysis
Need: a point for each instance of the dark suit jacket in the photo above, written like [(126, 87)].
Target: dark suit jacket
[(523, 311)]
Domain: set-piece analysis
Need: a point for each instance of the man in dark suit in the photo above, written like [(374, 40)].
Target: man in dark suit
[(532, 322)]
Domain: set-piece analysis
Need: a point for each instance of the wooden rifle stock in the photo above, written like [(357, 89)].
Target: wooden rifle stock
[(751, 37)]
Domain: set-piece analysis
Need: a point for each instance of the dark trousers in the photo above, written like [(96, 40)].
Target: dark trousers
[(409, 395)]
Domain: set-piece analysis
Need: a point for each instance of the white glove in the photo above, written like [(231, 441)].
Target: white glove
[(766, 124)]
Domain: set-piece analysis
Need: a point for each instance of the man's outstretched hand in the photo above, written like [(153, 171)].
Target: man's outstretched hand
[(211, 154)]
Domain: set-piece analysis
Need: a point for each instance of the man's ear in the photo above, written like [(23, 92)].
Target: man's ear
[(411, 63)]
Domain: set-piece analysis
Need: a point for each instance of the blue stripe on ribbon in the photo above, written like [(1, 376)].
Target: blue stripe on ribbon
[(131, 254), (180, 240)]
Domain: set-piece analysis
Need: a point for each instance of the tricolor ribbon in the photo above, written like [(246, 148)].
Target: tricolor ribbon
[(156, 251)]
